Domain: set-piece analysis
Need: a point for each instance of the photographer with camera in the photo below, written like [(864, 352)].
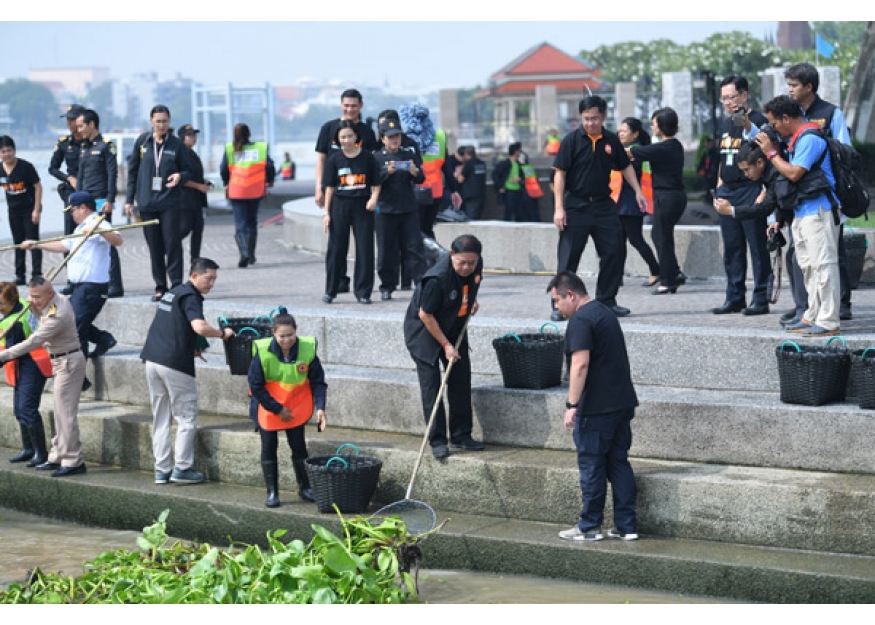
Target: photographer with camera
[(779, 197), (815, 231), (741, 123)]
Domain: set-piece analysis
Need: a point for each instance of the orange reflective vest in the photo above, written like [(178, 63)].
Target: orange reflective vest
[(433, 163), (646, 183), (40, 355), (533, 187), (552, 145), (287, 383), (248, 170)]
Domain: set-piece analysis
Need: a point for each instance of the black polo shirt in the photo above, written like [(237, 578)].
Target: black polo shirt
[(325, 141), (588, 163)]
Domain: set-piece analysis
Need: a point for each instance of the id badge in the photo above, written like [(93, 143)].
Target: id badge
[(156, 183)]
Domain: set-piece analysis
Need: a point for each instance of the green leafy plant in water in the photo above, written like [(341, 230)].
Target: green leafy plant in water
[(369, 563)]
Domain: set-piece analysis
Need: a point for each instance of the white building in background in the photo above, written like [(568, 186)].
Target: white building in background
[(74, 81)]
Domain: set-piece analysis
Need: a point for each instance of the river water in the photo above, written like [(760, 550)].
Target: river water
[(28, 541)]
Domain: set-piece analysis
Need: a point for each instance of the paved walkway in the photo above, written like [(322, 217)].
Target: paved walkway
[(295, 278)]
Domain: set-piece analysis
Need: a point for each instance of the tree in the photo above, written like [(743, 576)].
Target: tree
[(31, 104)]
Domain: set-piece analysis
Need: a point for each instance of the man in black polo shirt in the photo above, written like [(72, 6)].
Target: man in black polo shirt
[(351, 108), (584, 206)]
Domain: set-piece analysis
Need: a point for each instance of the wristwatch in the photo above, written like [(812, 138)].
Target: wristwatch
[(569, 405), (772, 154)]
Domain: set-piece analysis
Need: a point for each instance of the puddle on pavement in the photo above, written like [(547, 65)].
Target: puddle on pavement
[(27, 541)]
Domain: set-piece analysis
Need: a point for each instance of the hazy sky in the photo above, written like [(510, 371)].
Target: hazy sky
[(368, 51)]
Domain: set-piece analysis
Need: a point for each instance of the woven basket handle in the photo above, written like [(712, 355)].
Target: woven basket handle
[(552, 325), (512, 335), (247, 329), (337, 451), (338, 459), (265, 317), (278, 311), (223, 320), (867, 350), (839, 337), (793, 343)]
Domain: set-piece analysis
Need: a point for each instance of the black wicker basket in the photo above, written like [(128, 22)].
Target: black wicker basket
[(861, 383), (855, 251), (348, 480), (238, 349), (531, 360), (811, 375)]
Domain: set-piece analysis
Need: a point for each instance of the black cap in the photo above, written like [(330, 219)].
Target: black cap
[(74, 111), (186, 130), (390, 127), (77, 198)]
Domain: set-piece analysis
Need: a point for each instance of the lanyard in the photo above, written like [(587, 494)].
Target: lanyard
[(158, 154)]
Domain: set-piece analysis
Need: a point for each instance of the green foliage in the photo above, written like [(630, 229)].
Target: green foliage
[(364, 565), (31, 104)]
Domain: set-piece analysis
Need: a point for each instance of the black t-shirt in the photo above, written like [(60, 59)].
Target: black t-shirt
[(731, 138), (608, 387), (351, 177), (588, 165), (325, 141), (474, 173), (171, 341), (396, 190), (19, 185), (432, 301), (666, 160)]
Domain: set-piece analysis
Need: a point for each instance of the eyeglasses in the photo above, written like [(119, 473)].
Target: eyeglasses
[(729, 98)]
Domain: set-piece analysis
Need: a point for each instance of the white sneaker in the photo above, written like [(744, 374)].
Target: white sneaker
[(575, 533), (615, 533)]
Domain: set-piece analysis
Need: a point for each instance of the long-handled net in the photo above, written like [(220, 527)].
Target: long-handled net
[(417, 515)]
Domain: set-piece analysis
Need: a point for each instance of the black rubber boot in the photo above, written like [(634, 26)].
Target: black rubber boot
[(38, 438), (27, 450), (251, 240), (270, 480), (241, 245), (304, 490)]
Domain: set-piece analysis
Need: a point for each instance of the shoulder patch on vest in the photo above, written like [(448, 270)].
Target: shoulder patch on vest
[(53, 310)]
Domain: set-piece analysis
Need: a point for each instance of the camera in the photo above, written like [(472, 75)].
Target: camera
[(776, 241), (769, 130)]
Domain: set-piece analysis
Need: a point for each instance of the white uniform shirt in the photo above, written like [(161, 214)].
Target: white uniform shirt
[(91, 262)]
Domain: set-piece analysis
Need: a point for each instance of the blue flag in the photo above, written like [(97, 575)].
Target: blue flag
[(824, 48)]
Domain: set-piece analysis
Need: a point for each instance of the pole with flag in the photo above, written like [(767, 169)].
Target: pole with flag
[(822, 47)]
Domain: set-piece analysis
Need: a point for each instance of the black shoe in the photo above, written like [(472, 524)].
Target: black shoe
[(619, 310), (307, 494), (440, 451), (327, 298), (756, 309), (20, 281), (728, 307), (653, 282), (790, 322), (106, 343), (556, 316), (67, 290), (469, 444), (385, 295), (682, 278), (364, 300), (65, 471), (787, 316), (665, 290), (86, 384), (344, 285), (845, 314), (158, 295), (115, 293), (48, 466), (22, 456)]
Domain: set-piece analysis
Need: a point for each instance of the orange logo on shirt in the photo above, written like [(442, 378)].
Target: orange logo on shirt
[(464, 308), (608, 149)]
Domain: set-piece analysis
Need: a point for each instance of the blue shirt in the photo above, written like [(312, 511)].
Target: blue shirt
[(806, 152)]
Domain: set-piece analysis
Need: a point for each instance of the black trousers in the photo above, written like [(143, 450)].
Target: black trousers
[(473, 207), (633, 232), (427, 215), (22, 227), (738, 237), (26, 396), (165, 246), (295, 438), (458, 395), (668, 208), (398, 240), (599, 220), (345, 214), (87, 300), (115, 266)]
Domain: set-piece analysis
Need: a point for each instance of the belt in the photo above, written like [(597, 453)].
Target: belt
[(72, 351), (589, 199)]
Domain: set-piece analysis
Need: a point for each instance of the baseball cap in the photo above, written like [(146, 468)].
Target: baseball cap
[(390, 127), (74, 111), (186, 130), (77, 198)]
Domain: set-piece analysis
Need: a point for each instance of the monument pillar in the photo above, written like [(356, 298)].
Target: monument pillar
[(547, 112), (448, 103), (626, 104), (677, 92)]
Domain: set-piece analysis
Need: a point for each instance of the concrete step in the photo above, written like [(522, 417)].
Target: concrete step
[(820, 511), (714, 358), (716, 426), (218, 512)]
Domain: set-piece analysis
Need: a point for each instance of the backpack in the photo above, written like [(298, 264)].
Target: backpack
[(852, 193)]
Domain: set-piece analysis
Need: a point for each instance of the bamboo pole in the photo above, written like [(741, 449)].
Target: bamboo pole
[(54, 273), (63, 237)]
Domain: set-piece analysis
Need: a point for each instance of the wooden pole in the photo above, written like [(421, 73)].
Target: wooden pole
[(153, 222)]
